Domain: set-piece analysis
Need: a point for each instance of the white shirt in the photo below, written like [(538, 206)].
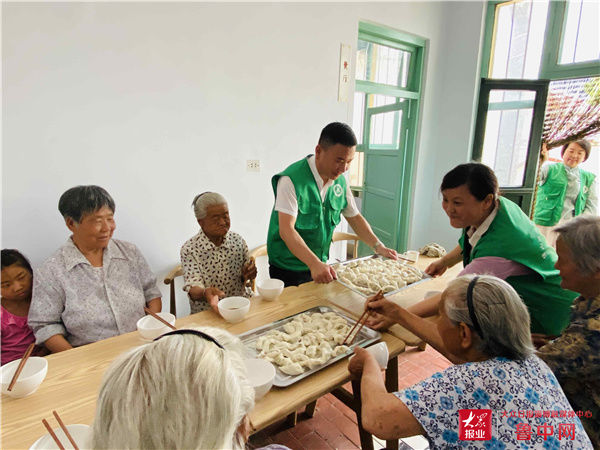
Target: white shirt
[(287, 202), (475, 234)]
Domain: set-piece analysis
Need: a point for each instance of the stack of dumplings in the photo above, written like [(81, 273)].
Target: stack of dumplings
[(307, 341), (369, 276)]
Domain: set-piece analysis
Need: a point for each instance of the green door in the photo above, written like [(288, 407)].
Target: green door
[(385, 137)]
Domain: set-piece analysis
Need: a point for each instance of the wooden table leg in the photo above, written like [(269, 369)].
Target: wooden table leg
[(291, 419), (391, 384), (310, 409), (366, 440)]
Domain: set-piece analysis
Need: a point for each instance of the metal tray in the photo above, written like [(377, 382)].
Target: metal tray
[(365, 337), (426, 277)]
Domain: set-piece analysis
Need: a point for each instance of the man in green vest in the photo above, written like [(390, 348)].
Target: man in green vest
[(310, 197)]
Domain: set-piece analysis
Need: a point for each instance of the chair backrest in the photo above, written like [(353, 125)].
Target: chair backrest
[(340, 236), (177, 271), (261, 250)]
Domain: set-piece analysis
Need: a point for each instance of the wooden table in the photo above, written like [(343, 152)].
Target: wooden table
[(74, 376)]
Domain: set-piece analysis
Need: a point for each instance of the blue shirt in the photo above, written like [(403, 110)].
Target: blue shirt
[(509, 388)]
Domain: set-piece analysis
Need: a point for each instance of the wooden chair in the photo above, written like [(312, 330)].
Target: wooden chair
[(169, 280), (340, 236)]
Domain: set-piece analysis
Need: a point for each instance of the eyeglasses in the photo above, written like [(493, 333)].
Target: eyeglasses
[(194, 332)]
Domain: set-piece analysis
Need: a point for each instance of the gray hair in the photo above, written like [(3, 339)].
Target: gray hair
[(202, 201), (82, 200), (582, 236), (181, 391), (500, 312)]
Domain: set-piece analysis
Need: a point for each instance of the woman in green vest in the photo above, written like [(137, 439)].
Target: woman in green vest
[(565, 190), (498, 239)]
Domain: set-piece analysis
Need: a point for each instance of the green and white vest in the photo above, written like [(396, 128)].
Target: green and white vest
[(315, 221), (551, 195), (513, 236)]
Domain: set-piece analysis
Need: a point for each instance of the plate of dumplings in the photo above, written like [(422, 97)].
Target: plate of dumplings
[(304, 343), (371, 274)]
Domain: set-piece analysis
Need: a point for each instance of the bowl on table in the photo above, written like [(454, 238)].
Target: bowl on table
[(234, 309), (79, 432), (413, 255), (261, 374), (150, 328), (270, 289), (380, 352), (29, 380)]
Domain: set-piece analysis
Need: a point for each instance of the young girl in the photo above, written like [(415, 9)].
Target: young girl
[(17, 281)]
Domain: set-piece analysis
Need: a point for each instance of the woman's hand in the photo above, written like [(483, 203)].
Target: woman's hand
[(212, 296), (249, 270), (386, 252), (436, 268), (383, 312), (322, 273), (356, 364)]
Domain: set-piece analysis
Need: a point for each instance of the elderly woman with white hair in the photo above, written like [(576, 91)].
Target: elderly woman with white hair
[(575, 356), (188, 389), (215, 261), (495, 370)]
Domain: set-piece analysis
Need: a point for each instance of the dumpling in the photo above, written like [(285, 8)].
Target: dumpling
[(292, 368)]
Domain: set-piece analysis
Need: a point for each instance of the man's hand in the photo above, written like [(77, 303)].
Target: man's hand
[(436, 268), (249, 270), (387, 252), (322, 273), (212, 295)]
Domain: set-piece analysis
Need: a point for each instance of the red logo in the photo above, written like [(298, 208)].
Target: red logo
[(475, 424)]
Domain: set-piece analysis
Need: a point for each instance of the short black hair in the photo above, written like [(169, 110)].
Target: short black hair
[(479, 178), (337, 133), (11, 256), (81, 200)]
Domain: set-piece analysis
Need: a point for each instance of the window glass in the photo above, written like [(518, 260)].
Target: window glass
[(518, 39), (356, 172), (506, 141), (581, 37), (382, 64), (359, 114)]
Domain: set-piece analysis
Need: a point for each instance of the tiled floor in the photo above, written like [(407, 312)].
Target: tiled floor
[(334, 424)]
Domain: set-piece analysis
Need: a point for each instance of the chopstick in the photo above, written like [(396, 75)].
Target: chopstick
[(47, 425), (65, 430), (362, 321), (160, 319), (21, 366)]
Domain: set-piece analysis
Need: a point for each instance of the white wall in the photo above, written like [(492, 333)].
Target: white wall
[(157, 102)]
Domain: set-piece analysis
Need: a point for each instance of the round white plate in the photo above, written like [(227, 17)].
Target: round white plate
[(80, 433)]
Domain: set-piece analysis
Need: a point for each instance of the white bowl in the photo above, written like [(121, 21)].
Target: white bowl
[(150, 328), (234, 309), (261, 374), (31, 377), (79, 432), (270, 289), (380, 352)]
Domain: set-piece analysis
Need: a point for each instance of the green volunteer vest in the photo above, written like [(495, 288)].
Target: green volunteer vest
[(513, 236), (551, 195), (315, 221)]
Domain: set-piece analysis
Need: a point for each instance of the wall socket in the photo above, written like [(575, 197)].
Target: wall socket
[(252, 165)]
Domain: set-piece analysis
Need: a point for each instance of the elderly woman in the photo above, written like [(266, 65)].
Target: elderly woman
[(575, 356), (499, 239), (215, 262), (495, 369), (93, 287), (188, 390), (565, 190)]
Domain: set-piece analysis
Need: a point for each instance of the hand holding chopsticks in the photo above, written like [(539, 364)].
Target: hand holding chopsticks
[(361, 321), (21, 366), (65, 430), (157, 317)]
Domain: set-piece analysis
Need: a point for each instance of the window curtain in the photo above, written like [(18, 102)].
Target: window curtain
[(572, 111)]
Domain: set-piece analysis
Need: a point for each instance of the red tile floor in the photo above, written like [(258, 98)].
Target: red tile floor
[(333, 425)]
